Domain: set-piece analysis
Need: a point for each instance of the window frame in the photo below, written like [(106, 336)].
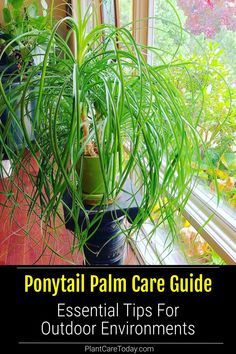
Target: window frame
[(212, 222)]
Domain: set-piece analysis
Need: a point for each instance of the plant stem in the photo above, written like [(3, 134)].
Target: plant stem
[(85, 127), (89, 148)]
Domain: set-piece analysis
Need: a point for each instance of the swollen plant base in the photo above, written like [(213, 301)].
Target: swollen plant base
[(106, 246), (92, 180)]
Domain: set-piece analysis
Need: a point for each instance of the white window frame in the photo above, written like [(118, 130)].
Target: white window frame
[(213, 221)]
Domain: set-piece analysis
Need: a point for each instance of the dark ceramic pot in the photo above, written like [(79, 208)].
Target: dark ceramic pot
[(106, 242)]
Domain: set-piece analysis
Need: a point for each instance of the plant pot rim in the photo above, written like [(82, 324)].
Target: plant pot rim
[(91, 157)]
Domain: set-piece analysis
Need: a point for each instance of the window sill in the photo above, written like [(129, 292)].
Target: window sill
[(215, 223), (157, 250)]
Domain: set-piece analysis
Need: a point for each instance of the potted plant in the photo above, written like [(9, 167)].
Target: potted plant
[(19, 55), (102, 113)]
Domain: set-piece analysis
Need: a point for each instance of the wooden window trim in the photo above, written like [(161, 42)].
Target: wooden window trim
[(140, 21), (117, 13), (99, 13)]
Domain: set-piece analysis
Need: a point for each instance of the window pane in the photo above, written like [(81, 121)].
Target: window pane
[(125, 10), (108, 12)]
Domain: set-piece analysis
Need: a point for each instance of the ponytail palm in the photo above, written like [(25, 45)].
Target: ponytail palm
[(102, 99)]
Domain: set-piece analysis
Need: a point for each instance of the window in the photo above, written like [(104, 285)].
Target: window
[(108, 12), (206, 39), (125, 12)]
